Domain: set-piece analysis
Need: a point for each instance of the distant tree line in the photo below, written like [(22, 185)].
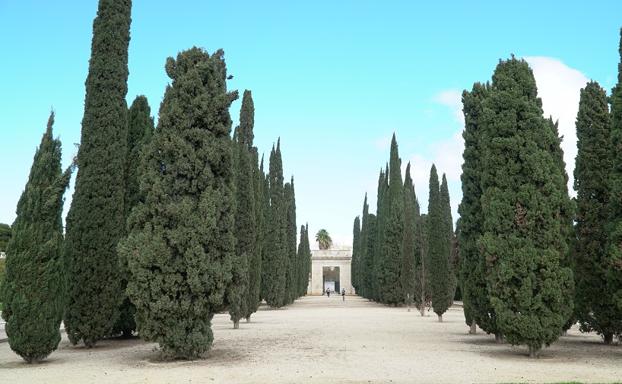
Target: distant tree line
[(398, 255)]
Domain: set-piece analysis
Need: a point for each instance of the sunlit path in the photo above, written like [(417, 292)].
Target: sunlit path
[(327, 340)]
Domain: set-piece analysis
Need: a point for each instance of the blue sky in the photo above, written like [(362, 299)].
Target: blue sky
[(333, 79)]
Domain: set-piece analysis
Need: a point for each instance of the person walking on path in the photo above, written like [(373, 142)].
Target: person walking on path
[(328, 292), (343, 294)]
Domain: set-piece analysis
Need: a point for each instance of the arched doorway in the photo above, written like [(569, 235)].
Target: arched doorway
[(331, 278)]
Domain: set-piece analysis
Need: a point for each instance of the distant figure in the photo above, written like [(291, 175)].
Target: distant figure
[(343, 294), (328, 292)]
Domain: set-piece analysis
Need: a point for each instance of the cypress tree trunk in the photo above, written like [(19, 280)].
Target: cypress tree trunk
[(96, 219), (181, 244), (32, 291), (473, 328)]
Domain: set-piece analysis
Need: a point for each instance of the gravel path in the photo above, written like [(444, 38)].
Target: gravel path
[(321, 340)]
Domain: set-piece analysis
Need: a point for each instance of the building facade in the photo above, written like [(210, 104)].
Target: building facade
[(330, 269)]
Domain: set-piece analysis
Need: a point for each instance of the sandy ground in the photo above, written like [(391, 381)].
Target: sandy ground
[(321, 340)]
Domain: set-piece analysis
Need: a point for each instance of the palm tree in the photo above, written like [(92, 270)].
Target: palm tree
[(323, 239)]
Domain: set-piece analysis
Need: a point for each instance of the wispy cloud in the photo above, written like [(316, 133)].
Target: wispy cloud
[(558, 87), (451, 98)]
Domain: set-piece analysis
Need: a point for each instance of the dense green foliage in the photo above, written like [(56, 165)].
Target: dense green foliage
[(181, 244), (356, 251), (96, 219), (304, 260), (276, 262), (595, 306), (5, 236), (523, 240), (139, 133), (438, 248), (246, 135), (477, 306), (613, 262), (291, 288), (33, 291), (390, 265), (409, 245)]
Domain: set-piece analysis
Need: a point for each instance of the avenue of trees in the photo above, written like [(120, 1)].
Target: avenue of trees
[(400, 256), (169, 224)]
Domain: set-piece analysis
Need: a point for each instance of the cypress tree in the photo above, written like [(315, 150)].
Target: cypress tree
[(613, 264), (356, 242), (448, 228), (140, 131), (391, 265), (253, 295), (477, 307), (304, 258), (408, 276), (96, 219), (266, 247), (181, 244), (378, 258), (522, 202), (290, 241), (276, 258), (372, 246), (422, 274), (246, 266), (33, 289), (363, 268), (438, 250)]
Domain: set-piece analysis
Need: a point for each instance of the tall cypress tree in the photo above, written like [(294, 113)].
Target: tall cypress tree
[(304, 258), (372, 245), (356, 244), (595, 305), (408, 276), (381, 210), (362, 263), (438, 249), (276, 258), (522, 203), (140, 131), (246, 266), (448, 228), (390, 268), (290, 241), (96, 219), (181, 243), (613, 262), (33, 289), (477, 307), (266, 247), (422, 269), (247, 122)]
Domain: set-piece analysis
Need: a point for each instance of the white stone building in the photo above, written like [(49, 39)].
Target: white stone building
[(330, 268)]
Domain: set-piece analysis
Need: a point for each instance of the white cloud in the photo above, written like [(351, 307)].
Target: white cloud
[(558, 87), (452, 98)]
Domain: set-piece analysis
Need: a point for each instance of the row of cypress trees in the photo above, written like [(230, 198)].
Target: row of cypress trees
[(398, 255), (168, 226)]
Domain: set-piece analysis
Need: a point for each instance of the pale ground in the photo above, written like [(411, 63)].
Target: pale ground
[(322, 340)]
